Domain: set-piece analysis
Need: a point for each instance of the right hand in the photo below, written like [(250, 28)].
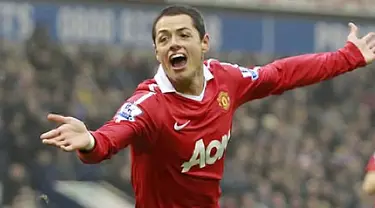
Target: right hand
[(70, 136)]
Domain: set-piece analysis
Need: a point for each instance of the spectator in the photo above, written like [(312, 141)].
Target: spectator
[(306, 148)]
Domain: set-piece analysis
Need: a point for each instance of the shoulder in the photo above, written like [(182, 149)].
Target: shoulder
[(146, 92), (218, 67), (142, 102), (214, 64)]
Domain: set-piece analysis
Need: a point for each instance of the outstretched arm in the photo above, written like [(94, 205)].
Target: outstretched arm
[(303, 70), (368, 184), (130, 125)]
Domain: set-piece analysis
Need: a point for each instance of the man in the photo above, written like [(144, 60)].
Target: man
[(178, 124), (368, 184)]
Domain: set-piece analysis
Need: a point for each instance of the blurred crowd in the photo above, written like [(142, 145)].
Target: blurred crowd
[(338, 4), (306, 148), (353, 7)]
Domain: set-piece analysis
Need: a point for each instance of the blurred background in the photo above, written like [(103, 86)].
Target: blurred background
[(305, 149)]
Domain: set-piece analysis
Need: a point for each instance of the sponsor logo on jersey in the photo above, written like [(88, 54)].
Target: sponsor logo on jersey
[(178, 127), (224, 100), (127, 112), (206, 155)]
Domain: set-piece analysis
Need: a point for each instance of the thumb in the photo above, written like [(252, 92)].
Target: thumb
[(353, 30), (58, 118)]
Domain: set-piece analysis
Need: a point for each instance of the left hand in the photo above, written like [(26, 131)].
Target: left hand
[(366, 44)]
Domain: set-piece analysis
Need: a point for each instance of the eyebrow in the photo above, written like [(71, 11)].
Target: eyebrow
[(178, 30)]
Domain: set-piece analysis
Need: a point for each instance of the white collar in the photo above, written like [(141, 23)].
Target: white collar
[(166, 86)]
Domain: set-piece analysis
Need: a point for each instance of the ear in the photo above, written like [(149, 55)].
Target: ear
[(157, 53), (205, 43)]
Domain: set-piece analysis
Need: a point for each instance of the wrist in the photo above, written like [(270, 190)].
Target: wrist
[(91, 144)]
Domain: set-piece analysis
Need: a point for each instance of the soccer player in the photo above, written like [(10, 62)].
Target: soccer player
[(368, 184), (178, 123)]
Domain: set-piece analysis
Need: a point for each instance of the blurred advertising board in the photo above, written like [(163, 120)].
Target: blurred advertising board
[(130, 26), (359, 8)]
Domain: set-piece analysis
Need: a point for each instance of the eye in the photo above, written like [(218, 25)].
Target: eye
[(163, 39), (185, 35)]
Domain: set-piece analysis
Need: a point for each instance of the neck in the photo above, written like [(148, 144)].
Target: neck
[(192, 86)]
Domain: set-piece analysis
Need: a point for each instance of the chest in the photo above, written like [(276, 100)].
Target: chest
[(197, 135)]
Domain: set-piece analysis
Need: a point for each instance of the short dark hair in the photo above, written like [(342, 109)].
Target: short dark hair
[(174, 10)]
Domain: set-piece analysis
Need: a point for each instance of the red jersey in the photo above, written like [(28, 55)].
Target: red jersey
[(178, 142), (371, 164)]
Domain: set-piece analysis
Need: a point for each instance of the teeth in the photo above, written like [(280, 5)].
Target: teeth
[(179, 55)]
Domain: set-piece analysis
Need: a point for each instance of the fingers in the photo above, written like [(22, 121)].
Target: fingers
[(63, 136), (369, 38), (50, 134), (61, 141), (56, 132), (69, 148), (56, 137), (53, 140), (371, 44), (56, 118), (59, 118), (353, 30), (370, 41)]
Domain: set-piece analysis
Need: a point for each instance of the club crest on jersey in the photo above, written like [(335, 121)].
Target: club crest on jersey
[(127, 112), (224, 100)]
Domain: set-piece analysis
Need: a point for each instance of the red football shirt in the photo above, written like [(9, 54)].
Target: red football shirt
[(178, 142), (371, 164)]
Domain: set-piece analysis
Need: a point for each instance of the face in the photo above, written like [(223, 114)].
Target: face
[(179, 48)]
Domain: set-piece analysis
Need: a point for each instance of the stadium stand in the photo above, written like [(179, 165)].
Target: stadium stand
[(306, 148)]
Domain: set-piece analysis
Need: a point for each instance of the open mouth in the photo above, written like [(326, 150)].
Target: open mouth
[(178, 61)]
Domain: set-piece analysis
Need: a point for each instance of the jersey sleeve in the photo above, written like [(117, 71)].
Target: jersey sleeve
[(371, 164), (132, 124), (288, 73)]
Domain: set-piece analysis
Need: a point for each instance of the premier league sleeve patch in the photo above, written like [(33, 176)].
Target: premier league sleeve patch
[(127, 112), (252, 73)]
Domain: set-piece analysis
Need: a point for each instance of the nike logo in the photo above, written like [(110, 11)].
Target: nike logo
[(179, 127)]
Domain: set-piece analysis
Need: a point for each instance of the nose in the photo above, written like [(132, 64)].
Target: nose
[(175, 47), (174, 44)]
